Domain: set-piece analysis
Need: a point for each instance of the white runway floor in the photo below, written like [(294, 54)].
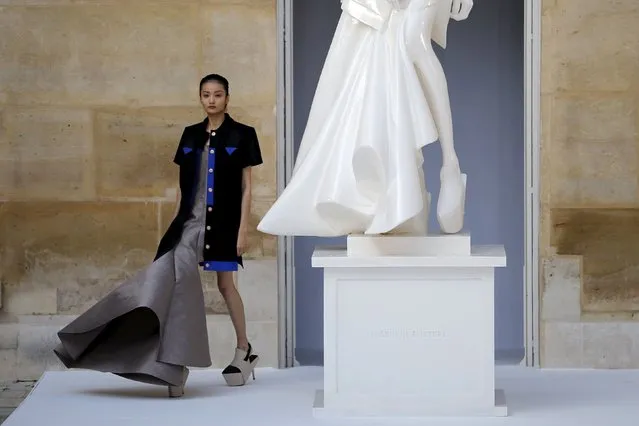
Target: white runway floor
[(285, 398)]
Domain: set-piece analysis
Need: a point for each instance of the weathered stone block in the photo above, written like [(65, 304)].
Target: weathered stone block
[(606, 239), (546, 149), (594, 150), (8, 362), (35, 351), (601, 345), (122, 53), (562, 345), (168, 211), (262, 117), (587, 8), (591, 36), (31, 301), (269, 246), (258, 286), (545, 233), (548, 62), (97, 2), (593, 117), (46, 153), (546, 5), (8, 336), (589, 158), (134, 150), (81, 249), (611, 345), (562, 289), (258, 3), (247, 60), (595, 173), (258, 239)]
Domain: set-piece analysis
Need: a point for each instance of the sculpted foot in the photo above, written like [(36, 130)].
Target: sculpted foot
[(451, 202)]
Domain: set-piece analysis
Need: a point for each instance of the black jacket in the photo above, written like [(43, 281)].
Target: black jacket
[(236, 146)]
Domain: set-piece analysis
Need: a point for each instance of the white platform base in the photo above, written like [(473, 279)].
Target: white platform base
[(408, 336), (284, 397), (402, 410)]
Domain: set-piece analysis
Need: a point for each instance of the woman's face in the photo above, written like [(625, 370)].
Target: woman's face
[(213, 98)]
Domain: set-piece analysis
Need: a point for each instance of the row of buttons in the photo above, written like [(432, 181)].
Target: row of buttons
[(208, 228), (212, 151)]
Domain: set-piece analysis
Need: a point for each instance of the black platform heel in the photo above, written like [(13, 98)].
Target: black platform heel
[(242, 366)]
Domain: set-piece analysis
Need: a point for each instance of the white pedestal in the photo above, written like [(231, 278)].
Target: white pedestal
[(409, 336)]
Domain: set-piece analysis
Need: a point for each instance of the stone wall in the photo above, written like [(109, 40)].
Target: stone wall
[(590, 183), (93, 99)]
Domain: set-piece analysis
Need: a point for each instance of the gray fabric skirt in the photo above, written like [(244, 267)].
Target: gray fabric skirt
[(151, 326)]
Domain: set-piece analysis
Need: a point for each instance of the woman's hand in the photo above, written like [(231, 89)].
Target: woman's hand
[(242, 242)]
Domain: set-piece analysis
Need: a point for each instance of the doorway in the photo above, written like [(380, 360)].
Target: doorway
[(488, 71)]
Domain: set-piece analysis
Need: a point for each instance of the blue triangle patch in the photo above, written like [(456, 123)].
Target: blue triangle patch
[(186, 149), (230, 149)]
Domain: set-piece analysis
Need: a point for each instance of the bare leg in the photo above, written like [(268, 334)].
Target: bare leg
[(236, 308), (244, 361)]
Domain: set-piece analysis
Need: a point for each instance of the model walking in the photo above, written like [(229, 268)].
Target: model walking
[(153, 326)]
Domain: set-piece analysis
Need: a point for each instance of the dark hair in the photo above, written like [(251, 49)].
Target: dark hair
[(216, 78)]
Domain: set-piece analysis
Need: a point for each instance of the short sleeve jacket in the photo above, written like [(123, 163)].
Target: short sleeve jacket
[(229, 150)]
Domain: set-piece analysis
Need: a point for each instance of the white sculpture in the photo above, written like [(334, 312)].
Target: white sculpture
[(381, 98)]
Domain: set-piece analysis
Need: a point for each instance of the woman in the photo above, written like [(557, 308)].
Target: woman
[(153, 327), (381, 98)]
